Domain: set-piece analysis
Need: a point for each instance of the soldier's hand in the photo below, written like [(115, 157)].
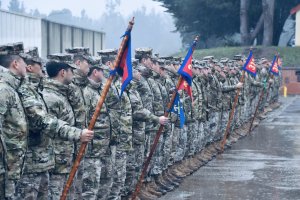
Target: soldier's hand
[(86, 135), (239, 85), (163, 120)]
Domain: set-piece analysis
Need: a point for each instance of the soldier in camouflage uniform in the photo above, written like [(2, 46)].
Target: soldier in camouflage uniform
[(114, 111), (13, 122), (42, 129), (98, 150), (55, 93), (82, 60)]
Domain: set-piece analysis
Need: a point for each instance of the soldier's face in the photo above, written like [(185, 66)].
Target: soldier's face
[(83, 66), (67, 76), (20, 67), (35, 69)]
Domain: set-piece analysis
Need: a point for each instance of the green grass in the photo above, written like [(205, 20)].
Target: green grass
[(290, 55)]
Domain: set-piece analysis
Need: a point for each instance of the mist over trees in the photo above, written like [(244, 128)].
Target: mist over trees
[(151, 29), (230, 22)]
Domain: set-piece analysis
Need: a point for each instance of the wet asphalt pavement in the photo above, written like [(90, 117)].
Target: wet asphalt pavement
[(264, 165)]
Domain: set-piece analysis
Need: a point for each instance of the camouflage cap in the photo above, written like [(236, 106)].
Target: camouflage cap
[(140, 52), (237, 57), (108, 53), (13, 49), (224, 60), (263, 61), (64, 58), (96, 61), (208, 58), (34, 53), (83, 52)]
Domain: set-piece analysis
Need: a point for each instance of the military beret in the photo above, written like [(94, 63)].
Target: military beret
[(62, 58), (34, 53), (140, 52), (13, 49)]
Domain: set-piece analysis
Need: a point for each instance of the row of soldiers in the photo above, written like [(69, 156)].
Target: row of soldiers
[(45, 109)]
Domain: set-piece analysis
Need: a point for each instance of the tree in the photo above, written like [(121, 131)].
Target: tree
[(253, 19), (15, 6)]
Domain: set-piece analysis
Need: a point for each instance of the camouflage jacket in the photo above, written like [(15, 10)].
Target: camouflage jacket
[(158, 103), (43, 127), (102, 129), (13, 127), (56, 98), (228, 90), (76, 99), (124, 137), (147, 98), (140, 115), (214, 100)]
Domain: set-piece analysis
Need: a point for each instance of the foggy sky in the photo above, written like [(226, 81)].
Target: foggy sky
[(94, 8)]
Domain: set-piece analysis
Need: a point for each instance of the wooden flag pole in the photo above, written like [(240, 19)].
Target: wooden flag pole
[(232, 112), (259, 101), (95, 115), (157, 136)]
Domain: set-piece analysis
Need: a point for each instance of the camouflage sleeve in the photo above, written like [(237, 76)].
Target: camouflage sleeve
[(256, 83), (228, 88), (76, 100), (144, 115), (48, 123)]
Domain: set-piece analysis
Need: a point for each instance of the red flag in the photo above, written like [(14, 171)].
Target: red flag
[(185, 86)]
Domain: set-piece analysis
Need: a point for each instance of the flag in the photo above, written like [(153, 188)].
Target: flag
[(185, 69), (249, 66), (279, 63), (125, 67), (274, 67), (185, 86), (178, 109)]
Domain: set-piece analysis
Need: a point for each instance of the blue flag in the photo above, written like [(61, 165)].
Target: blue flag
[(178, 109), (274, 69), (125, 67), (249, 65), (185, 69)]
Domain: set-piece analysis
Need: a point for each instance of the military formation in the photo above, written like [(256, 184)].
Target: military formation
[(46, 106)]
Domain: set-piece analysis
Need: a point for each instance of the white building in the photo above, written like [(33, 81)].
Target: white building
[(48, 36)]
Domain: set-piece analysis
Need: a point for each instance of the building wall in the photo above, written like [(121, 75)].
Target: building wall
[(297, 32), (57, 37), (20, 28), (49, 37), (291, 79)]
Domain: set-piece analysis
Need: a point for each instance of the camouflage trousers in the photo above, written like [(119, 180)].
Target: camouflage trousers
[(139, 160), (200, 137), (106, 177), (155, 166), (33, 186), (56, 185), (224, 120), (206, 133), (2, 186), (215, 121), (78, 180), (181, 134), (167, 146), (91, 178), (130, 179), (119, 172), (192, 133)]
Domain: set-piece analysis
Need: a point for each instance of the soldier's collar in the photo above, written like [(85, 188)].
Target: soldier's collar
[(11, 79), (94, 84), (34, 79), (80, 79)]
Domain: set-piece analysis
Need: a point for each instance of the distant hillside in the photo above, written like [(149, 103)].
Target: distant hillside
[(290, 55)]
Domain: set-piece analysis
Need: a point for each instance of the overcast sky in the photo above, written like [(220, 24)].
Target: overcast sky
[(94, 8)]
